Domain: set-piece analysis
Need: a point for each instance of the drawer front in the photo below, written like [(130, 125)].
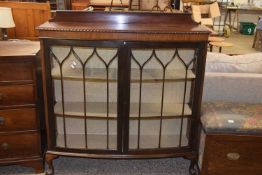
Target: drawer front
[(18, 119), (23, 71), (19, 145), (234, 155), (17, 95)]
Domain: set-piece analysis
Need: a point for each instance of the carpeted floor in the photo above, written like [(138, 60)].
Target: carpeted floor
[(77, 166)]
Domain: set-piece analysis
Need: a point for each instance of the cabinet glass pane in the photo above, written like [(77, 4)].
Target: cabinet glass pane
[(85, 88), (160, 105)]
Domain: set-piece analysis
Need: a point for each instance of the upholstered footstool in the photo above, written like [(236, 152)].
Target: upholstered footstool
[(231, 140)]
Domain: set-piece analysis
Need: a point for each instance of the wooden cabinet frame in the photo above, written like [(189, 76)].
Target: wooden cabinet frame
[(124, 46)]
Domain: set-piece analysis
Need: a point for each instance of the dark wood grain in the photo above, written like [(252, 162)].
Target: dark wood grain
[(23, 72), (124, 31), (19, 145), (219, 145), (20, 141), (18, 119), (17, 95), (132, 26)]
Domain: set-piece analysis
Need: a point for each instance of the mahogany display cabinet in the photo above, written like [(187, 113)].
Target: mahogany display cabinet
[(123, 85)]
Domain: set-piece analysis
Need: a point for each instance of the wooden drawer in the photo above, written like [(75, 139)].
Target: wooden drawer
[(18, 119), (233, 155), (23, 71), (17, 95), (19, 145)]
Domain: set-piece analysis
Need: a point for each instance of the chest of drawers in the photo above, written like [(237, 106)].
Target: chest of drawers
[(20, 138), (231, 140), (232, 154)]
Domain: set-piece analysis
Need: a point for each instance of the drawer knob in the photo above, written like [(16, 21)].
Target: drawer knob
[(5, 146), (233, 156), (2, 120)]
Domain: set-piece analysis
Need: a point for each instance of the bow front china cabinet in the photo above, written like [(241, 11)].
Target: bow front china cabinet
[(123, 85)]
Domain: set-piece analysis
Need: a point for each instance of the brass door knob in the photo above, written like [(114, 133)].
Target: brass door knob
[(5, 146), (2, 120), (233, 156)]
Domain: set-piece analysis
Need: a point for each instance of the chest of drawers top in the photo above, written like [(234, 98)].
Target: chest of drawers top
[(18, 73), (18, 48), (17, 60)]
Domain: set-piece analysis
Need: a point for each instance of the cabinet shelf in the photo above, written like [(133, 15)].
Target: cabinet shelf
[(96, 141), (99, 74), (98, 110)]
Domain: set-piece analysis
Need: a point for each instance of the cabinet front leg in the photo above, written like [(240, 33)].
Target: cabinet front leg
[(193, 168), (49, 160)]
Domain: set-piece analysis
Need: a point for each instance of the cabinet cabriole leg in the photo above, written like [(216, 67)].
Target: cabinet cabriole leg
[(193, 168), (49, 161)]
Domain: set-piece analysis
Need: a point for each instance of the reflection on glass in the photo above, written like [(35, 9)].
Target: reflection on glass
[(85, 96), (160, 107)]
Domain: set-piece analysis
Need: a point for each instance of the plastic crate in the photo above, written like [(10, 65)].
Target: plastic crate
[(247, 28)]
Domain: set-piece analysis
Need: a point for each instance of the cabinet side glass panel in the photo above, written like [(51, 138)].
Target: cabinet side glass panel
[(85, 88), (160, 105)]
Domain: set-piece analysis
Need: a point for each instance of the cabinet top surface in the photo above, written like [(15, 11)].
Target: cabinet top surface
[(125, 23), (19, 48)]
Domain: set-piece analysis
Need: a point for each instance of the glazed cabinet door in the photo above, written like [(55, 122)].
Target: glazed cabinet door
[(162, 86), (123, 97), (82, 90)]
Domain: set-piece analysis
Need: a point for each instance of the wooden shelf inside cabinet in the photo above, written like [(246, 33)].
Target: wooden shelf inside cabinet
[(78, 141), (99, 141), (98, 110), (99, 74)]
